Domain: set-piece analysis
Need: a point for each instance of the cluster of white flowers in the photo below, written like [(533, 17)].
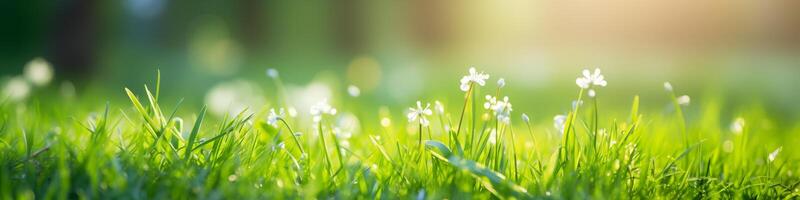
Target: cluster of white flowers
[(591, 79), (420, 112), (320, 109), (473, 77), (501, 108), (273, 117)]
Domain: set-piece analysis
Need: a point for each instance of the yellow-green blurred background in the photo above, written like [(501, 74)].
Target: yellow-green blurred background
[(743, 53)]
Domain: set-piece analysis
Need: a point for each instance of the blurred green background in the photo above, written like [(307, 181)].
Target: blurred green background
[(742, 54)]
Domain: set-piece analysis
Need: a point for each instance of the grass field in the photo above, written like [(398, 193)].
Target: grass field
[(480, 148)]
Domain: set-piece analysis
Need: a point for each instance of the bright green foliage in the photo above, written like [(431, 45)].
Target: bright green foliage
[(135, 151)]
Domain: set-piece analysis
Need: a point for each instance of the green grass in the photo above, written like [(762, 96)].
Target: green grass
[(141, 150)]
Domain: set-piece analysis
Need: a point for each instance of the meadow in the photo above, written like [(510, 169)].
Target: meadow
[(480, 148)]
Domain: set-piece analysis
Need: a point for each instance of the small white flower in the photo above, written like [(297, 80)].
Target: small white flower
[(590, 79), (501, 109), (320, 109), (525, 118), (386, 122), (16, 89), (558, 123), (684, 100), (353, 91), (39, 72), (774, 154), (420, 112), (592, 93), (737, 127), (272, 73), (273, 117), (473, 77), (438, 107), (501, 83), (668, 86)]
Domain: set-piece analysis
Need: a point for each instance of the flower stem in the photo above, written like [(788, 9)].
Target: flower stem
[(463, 110), (294, 137)]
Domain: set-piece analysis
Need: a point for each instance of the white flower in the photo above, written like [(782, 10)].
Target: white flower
[(38, 72), (272, 73), (16, 89), (273, 117), (525, 118), (558, 122), (501, 83), (322, 108), (386, 122), (501, 109), (668, 86), (737, 127), (353, 91), (592, 93), (590, 79), (774, 154), (420, 113), (684, 100), (473, 77), (438, 107)]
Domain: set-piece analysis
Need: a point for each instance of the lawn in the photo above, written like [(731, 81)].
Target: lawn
[(147, 147)]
